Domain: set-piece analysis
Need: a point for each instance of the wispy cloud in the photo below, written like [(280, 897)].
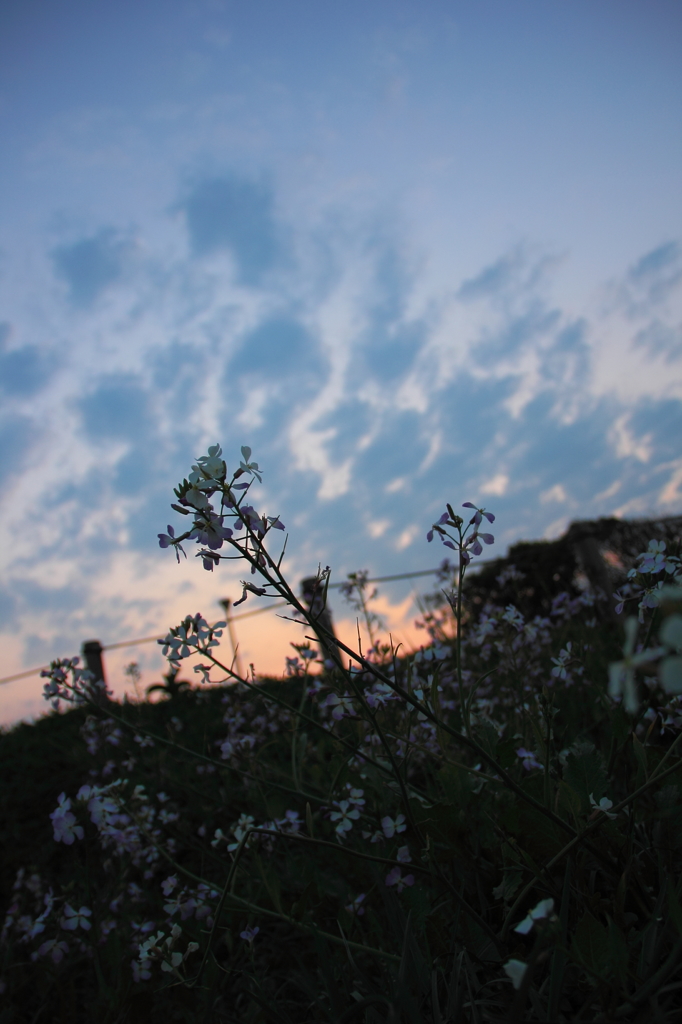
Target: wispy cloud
[(370, 392), (234, 214), (91, 265)]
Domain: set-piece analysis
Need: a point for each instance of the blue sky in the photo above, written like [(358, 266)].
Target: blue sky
[(408, 252)]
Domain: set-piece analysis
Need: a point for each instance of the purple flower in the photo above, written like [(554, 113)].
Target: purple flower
[(249, 588), (392, 827), (355, 796), (603, 807), (64, 822), (474, 544), (53, 948), (73, 918), (342, 706), (197, 499), (290, 822), (250, 517), (209, 560), (211, 532), (345, 816), (379, 695), (654, 560), (395, 877), (538, 913), (250, 467), (249, 934), (166, 539), (515, 971), (443, 519), (355, 906), (480, 512), (141, 972), (529, 758)]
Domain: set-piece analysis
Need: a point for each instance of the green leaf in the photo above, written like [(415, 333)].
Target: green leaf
[(591, 945), (505, 752), (308, 898), (674, 908), (620, 723), (441, 822), (457, 785), (540, 742), (416, 899), (272, 884), (570, 802), (640, 757), (477, 942), (509, 885), (538, 835), (618, 952), (669, 805), (585, 773), (487, 736), (511, 817)]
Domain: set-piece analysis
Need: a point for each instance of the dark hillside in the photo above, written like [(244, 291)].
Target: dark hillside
[(482, 832)]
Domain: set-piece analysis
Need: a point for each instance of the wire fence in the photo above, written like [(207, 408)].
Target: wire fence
[(27, 673)]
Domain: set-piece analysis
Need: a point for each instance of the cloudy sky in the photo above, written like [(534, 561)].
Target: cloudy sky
[(409, 252)]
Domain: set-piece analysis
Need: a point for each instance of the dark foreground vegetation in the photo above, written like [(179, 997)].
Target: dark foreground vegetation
[(487, 830)]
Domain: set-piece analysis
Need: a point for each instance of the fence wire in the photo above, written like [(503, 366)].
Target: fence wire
[(237, 618)]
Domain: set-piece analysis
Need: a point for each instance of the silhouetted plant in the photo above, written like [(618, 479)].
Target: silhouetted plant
[(485, 830)]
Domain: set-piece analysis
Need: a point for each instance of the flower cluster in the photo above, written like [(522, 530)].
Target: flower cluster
[(328, 798), (212, 500), (159, 949), (128, 827), (642, 586), (193, 636), (68, 682), (243, 830), (467, 541), (668, 654)]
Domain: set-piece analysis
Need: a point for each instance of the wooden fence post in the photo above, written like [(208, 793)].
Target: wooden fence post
[(312, 592), (92, 655), (236, 662)]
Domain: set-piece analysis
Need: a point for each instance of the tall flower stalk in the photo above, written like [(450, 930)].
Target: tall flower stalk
[(466, 541)]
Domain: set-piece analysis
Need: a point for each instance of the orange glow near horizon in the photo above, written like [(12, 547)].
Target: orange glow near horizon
[(263, 640)]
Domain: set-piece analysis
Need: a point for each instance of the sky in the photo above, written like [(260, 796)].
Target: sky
[(408, 252)]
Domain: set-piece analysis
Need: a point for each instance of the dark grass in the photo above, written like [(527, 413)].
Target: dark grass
[(432, 953)]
